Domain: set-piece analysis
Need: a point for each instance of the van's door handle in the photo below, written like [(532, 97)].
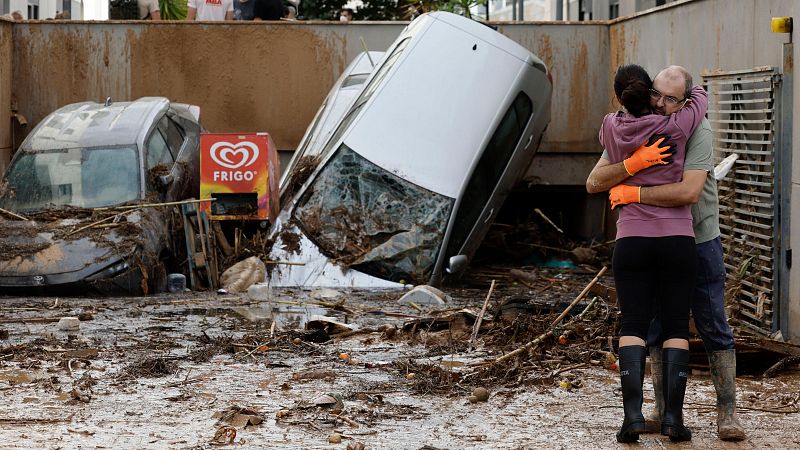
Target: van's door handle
[(530, 139), (489, 216)]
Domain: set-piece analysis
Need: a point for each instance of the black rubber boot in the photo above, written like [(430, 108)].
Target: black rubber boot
[(631, 375), (676, 371)]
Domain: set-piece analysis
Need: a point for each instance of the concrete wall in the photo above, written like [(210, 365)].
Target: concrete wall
[(6, 56)]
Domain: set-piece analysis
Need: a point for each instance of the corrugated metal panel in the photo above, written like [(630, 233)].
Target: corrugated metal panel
[(742, 112)]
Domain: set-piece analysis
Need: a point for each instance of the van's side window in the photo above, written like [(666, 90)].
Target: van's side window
[(173, 134), (490, 168)]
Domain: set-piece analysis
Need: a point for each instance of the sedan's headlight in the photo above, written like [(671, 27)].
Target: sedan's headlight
[(110, 271)]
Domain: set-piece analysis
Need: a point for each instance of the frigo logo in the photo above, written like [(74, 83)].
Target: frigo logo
[(234, 156)]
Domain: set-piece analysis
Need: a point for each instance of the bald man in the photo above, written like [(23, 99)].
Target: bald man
[(669, 94)]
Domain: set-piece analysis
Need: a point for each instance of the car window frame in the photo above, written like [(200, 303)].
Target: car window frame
[(147, 149), (169, 126)]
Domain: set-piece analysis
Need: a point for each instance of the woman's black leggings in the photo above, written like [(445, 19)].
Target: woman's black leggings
[(655, 276)]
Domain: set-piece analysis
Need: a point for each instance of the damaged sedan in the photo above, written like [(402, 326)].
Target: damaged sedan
[(418, 167), (76, 201)]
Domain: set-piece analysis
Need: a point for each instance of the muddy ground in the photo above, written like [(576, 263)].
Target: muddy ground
[(174, 371)]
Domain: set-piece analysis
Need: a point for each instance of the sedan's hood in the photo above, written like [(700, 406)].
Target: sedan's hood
[(31, 248)]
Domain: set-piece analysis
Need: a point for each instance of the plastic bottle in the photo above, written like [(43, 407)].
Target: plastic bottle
[(176, 282)]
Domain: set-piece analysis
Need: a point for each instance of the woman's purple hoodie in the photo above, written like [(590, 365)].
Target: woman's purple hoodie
[(622, 133)]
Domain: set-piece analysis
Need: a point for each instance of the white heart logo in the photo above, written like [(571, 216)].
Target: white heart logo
[(233, 156)]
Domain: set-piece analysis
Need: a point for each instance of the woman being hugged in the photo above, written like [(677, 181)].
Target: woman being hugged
[(654, 257)]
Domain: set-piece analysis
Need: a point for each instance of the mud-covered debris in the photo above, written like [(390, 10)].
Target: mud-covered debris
[(335, 438), (69, 324), (239, 417), (328, 324), (317, 336), (425, 295), (355, 446), (389, 331), (82, 388), (151, 367), (291, 241), (584, 255), (428, 378), (314, 375), (481, 394), (331, 400), (524, 277), (3, 334), (459, 319), (224, 435), (302, 170), (243, 274)]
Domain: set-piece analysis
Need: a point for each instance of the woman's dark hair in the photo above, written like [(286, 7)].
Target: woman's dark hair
[(632, 85)]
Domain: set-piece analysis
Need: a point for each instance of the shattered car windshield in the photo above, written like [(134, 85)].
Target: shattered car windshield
[(364, 217), (79, 177)]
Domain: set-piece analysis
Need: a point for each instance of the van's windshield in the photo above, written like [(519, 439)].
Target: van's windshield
[(362, 216), (80, 177)]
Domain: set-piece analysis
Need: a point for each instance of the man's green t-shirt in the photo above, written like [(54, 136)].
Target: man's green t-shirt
[(700, 156)]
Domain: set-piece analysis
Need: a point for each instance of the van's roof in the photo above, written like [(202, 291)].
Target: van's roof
[(91, 124), (433, 143)]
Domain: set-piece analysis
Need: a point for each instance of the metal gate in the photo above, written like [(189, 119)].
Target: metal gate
[(743, 116)]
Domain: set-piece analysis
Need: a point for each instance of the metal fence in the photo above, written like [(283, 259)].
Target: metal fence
[(743, 116)]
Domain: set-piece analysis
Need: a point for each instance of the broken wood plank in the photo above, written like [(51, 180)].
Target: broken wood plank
[(780, 365), (13, 214), (154, 205), (480, 316), (558, 320)]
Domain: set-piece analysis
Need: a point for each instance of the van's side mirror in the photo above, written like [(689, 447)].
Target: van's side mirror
[(456, 264), (164, 181)]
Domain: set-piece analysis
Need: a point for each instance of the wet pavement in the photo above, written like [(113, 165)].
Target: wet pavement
[(153, 372)]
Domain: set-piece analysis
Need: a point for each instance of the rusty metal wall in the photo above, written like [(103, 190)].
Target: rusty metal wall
[(244, 76), (577, 55), (249, 76), (6, 56)]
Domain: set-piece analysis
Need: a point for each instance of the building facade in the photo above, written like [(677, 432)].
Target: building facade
[(568, 10), (48, 9)]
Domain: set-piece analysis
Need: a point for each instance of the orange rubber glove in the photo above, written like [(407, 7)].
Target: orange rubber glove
[(648, 155), (622, 194)]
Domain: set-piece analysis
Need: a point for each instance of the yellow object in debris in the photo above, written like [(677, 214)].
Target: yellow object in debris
[(781, 24), (564, 384)]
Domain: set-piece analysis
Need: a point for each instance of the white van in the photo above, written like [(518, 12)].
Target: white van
[(335, 106), (419, 166)]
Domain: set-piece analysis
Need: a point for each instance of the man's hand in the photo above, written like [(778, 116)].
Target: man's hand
[(648, 155), (622, 194)]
